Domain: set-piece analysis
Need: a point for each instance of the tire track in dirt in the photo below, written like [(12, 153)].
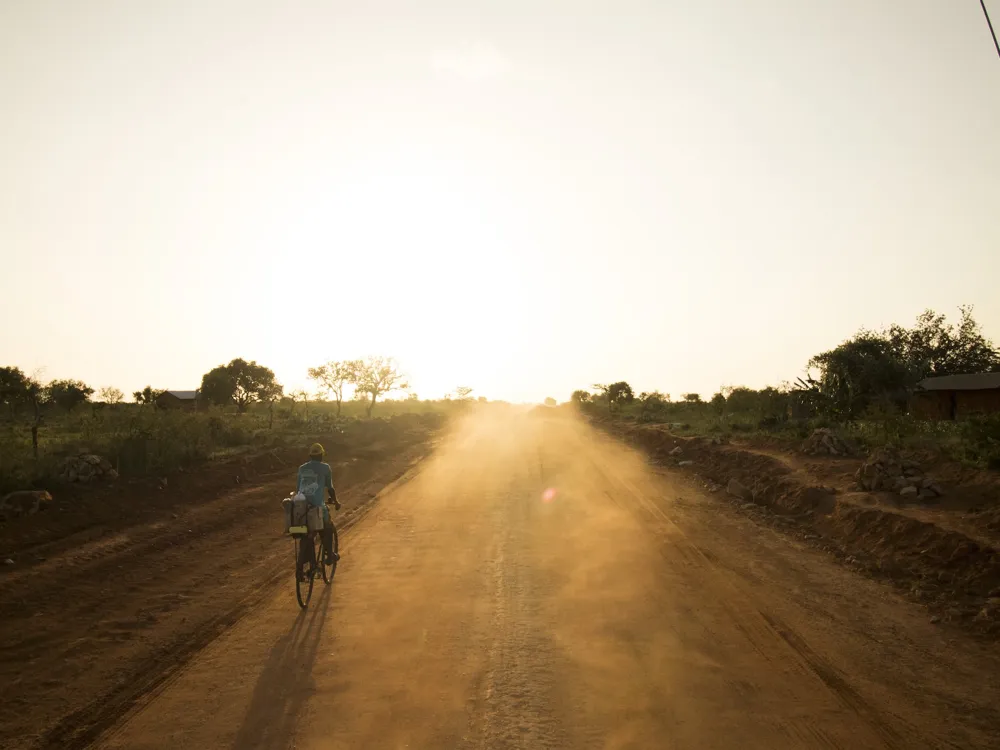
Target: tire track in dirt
[(118, 710), (162, 651), (517, 699), (473, 611), (776, 645)]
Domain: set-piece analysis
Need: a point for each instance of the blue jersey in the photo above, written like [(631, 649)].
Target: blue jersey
[(314, 479)]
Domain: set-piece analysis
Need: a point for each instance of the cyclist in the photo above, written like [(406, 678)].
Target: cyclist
[(315, 479)]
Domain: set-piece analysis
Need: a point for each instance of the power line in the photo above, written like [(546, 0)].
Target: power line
[(990, 24)]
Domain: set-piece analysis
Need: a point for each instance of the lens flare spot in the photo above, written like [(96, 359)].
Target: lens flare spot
[(549, 495)]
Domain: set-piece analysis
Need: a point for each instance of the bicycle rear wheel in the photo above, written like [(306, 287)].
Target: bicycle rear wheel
[(331, 568), (304, 586)]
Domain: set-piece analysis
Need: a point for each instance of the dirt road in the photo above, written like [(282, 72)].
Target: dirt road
[(538, 586)]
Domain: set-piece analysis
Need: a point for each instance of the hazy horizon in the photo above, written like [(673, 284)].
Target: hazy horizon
[(524, 198)]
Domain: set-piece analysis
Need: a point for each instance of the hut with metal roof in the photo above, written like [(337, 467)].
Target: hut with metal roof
[(957, 396), (187, 400)]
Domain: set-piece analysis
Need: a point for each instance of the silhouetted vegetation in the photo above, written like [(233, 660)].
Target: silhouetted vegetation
[(147, 396), (614, 394), (881, 368), (860, 387), (376, 377), (111, 396), (334, 377), (241, 407), (69, 394), (241, 383)]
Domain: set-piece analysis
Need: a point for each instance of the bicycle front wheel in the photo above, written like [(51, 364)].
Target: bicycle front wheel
[(304, 584)]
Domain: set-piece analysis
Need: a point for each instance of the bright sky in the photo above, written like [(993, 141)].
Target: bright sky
[(524, 197)]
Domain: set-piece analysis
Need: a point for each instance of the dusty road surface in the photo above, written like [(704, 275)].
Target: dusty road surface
[(539, 586)]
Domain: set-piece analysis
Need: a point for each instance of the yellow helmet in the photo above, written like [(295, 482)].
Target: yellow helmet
[(316, 451)]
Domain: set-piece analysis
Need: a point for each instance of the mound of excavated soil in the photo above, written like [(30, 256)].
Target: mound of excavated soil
[(953, 573)]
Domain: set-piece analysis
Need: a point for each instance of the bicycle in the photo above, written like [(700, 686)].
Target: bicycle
[(320, 559)]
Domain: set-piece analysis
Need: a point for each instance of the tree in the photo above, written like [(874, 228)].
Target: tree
[(663, 398), (68, 394), (614, 393), (692, 398), (16, 389), (147, 396), (13, 387), (933, 347), (297, 396), (651, 404), (549, 401), (620, 393), (580, 397), (718, 403), (268, 394), (859, 372), (218, 386), (35, 393), (111, 395), (377, 376), (240, 382), (602, 395), (334, 376)]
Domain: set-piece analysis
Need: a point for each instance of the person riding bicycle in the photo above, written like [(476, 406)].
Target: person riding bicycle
[(315, 479)]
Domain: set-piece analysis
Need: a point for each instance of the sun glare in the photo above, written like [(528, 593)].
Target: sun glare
[(420, 264)]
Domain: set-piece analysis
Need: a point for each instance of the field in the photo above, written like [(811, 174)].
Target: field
[(143, 441), (973, 442)]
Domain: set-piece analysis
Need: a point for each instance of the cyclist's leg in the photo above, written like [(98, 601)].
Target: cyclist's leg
[(327, 534), (311, 552)]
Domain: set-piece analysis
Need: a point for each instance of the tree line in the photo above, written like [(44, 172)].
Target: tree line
[(872, 370), (239, 383)]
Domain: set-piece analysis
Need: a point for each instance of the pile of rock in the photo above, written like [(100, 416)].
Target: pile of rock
[(86, 468), (825, 442), (885, 470), (23, 503), (737, 489)]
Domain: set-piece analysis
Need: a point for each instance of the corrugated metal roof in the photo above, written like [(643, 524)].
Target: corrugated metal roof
[(979, 381), (184, 395)]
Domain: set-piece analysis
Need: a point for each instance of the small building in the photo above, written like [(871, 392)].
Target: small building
[(186, 400), (957, 396)]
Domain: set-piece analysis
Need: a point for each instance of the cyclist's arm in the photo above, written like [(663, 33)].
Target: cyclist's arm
[(330, 489)]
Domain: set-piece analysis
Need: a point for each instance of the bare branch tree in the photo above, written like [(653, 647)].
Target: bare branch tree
[(377, 376), (334, 376), (111, 395)]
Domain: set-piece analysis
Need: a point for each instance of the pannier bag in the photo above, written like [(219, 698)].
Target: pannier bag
[(315, 518), (297, 515)]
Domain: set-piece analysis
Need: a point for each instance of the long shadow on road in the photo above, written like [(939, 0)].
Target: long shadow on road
[(286, 682)]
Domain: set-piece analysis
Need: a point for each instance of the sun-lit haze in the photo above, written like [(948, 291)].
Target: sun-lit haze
[(522, 197)]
